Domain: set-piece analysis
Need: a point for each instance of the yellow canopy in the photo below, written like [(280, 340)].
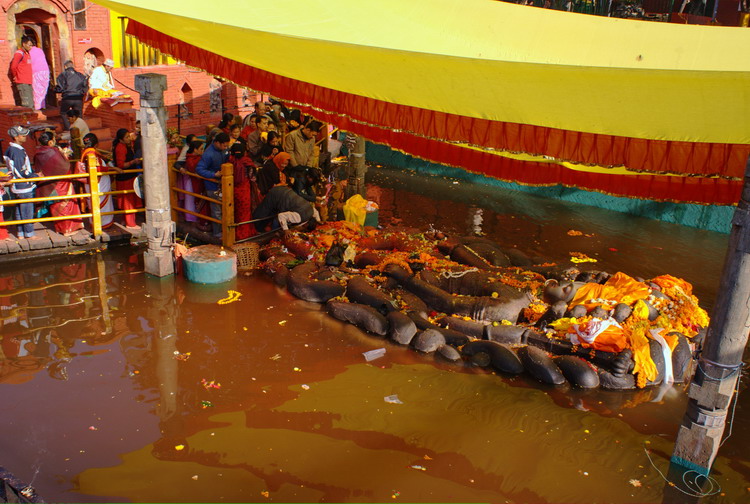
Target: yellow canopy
[(487, 59)]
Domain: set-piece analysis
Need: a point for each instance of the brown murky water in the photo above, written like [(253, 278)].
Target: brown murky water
[(107, 395)]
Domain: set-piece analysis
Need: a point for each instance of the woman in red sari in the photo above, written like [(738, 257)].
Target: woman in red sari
[(49, 161), (122, 149), (242, 199)]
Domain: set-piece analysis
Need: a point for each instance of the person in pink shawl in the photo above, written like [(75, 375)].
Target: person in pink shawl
[(40, 77)]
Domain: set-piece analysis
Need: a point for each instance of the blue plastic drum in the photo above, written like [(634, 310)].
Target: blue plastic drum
[(210, 264)]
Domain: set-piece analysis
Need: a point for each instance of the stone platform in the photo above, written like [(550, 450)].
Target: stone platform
[(51, 243)]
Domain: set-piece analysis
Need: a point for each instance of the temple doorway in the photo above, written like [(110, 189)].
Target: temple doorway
[(42, 27)]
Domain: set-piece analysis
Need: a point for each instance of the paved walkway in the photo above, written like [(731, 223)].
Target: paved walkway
[(52, 243)]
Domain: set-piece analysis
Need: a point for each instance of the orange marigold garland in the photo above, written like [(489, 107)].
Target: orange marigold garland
[(535, 311)]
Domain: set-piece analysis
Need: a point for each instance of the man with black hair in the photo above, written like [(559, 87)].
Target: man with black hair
[(209, 167), (259, 109), (73, 86), (305, 182), (20, 69), (300, 144), (254, 141), (76, 121)]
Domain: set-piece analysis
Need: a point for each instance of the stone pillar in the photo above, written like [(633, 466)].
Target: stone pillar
[(159, 226), (719, 366)]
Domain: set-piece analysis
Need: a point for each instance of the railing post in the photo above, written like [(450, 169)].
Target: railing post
[(96, 216), (227, 204), (158, 259)]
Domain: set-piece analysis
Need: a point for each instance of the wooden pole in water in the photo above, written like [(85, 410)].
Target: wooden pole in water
[(357, 168), (153, 116), (715, 380)]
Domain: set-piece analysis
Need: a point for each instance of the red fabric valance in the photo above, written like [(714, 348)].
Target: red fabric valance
[(416, 131)]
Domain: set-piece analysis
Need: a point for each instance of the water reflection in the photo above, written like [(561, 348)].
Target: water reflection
[(44, 311), (119, 366)]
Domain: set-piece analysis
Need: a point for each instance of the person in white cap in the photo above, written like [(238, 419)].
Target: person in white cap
[(19, 165), (101, 82)]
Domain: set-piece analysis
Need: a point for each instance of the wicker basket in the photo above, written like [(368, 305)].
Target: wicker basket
[(247, 256)]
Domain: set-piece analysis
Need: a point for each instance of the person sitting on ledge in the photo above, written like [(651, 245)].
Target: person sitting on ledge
[(102, 84)]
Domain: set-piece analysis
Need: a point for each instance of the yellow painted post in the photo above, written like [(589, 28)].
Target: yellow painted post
[(227, 204), (174, 202), (96, 216)]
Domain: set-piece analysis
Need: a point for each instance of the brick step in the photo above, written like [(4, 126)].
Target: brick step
[(93, 122), (52, 112), (105, 144), (123, 107), (101, 132)]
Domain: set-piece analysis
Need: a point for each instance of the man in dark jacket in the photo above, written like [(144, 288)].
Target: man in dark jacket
[(285, 207), (210, 167), (73, 87)]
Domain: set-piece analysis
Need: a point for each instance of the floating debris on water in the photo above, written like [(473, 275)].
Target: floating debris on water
[(210, 384), (371, 355), (232, 296)]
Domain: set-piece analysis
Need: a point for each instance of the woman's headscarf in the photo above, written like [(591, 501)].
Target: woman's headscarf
[(50, 162), (279, 158), (40, 77)]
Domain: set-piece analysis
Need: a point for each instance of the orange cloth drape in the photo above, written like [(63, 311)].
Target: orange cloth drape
[(620, 288)]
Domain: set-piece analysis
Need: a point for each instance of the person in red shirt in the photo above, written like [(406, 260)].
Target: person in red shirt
[(20, 69)]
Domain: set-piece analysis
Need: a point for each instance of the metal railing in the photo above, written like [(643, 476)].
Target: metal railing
[(92, 177), (227, 201), (228, 224)]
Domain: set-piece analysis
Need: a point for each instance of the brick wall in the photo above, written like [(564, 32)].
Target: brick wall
[(74, 43), (10, 116), (197, 100), (71, 43)]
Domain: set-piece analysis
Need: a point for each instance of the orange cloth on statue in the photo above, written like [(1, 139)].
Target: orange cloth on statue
[(644, 367), (668, 282), (620, 288), (672, 340)]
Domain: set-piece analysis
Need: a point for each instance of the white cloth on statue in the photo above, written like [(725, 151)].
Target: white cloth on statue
[(593, 330)]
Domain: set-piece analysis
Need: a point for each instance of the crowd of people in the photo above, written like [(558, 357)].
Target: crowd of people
[(280, 178), (51, 159), (30, 74)]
